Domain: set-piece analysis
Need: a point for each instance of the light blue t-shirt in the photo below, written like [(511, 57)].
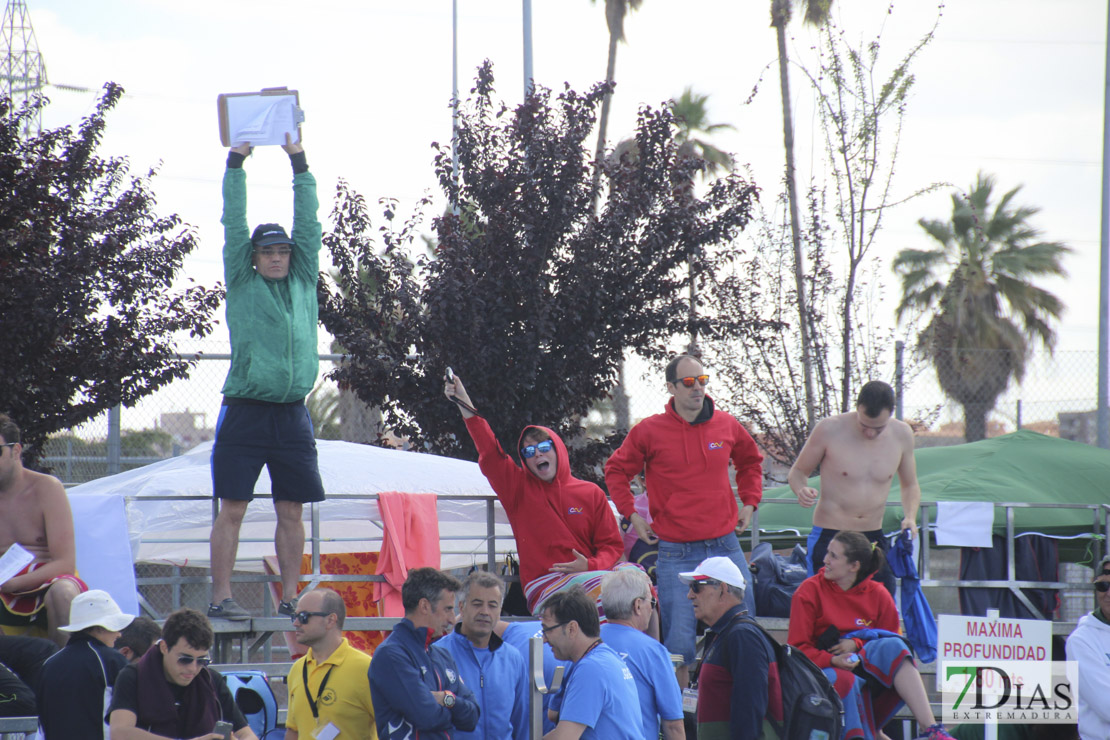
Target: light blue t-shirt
[(651, 668), (601, 694)]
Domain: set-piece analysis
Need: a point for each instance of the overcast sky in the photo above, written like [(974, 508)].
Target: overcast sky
[(1011, 87)]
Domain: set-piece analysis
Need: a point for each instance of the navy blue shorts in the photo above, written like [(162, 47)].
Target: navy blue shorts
[(818, 544), (277, 435)]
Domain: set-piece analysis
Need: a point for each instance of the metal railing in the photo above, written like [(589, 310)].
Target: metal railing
[(1100, 525)]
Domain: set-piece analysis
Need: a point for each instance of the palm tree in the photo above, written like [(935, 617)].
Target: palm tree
[(615, 11), (692, 116), (815, 13), (977, 281)]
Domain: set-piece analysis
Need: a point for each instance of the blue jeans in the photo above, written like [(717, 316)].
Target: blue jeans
[(678, 622)]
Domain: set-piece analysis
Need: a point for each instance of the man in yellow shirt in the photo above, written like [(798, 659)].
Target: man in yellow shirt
[(329, 688)]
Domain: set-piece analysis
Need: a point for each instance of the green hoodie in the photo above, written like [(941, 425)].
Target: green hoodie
[(274, 355)]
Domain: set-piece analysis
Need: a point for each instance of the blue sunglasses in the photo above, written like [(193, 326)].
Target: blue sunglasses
[(531, 450)]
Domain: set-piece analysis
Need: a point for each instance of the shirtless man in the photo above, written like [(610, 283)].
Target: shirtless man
[(34, 512), (858, 452)]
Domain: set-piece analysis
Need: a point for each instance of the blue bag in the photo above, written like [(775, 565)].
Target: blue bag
[(253, 695)]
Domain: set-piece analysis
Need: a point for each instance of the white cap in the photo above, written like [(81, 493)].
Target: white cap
[(717, 568), (96, 609)]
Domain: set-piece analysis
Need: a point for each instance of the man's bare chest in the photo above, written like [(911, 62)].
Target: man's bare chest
[(858, 463), (21, 520)]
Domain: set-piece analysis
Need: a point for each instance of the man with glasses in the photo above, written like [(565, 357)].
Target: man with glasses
[(626, 596), (685, 454), (329, 687), (494, 670), (415, 685), (1089, 645), (272, 317), (859, 453), (171, 692), (598, 699), (565, 531), (733, 678), (35, 514)]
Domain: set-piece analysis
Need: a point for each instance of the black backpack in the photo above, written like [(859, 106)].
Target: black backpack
[(811, 709)]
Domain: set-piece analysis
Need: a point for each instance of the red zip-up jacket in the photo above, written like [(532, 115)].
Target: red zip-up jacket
[(820, 603), (689, 493), (548, 519)]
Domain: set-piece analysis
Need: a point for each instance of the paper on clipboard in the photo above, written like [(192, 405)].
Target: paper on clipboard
[(14, 560), (262, 118)]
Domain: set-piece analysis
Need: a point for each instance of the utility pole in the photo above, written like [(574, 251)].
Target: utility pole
[(22, 70), (1101, 410)]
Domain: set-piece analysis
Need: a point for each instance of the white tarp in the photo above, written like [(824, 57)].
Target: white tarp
[(159, 529)]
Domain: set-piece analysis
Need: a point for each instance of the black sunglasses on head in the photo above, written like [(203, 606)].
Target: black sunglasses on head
[(696, 586)]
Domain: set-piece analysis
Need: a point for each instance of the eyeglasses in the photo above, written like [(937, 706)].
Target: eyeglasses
[(696, 586), (8, 444), (689, 380), (545, 630), (651, 599), (271, 251), (1102, 586), (531, 450), (303, 617), (188, 659)]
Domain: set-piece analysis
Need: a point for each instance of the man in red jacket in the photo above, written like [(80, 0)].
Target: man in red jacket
[(686, 451), (565, 532)]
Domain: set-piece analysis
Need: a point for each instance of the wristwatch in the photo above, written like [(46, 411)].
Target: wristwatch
[(448, 699)]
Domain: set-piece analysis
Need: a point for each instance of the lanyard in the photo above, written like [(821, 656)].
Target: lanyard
[(308, 691), (710, 639), (566, 678)]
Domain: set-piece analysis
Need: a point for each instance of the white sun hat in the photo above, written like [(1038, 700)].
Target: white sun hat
[(717, 568), (96, 608)]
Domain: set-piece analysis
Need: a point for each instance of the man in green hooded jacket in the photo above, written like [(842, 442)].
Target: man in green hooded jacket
[(272, 318)]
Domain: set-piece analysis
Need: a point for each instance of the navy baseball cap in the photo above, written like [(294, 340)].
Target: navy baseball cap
[(268, 234)]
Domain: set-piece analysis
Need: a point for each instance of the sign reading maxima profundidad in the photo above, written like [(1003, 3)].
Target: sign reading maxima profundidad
[(998, 670)]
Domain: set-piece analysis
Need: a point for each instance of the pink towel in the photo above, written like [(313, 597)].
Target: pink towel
[(410, 539)]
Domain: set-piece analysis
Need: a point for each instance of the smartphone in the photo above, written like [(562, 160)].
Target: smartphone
[(450, 375), (224, 729)]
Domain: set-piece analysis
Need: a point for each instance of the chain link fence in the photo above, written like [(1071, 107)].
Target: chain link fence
[(1056, 396)]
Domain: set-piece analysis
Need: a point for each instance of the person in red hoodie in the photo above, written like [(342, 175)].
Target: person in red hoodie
[(565, 532), (847, 624), (686, 451)]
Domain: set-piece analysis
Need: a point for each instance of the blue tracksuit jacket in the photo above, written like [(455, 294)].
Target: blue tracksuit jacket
[(501, 689), (405, 670)]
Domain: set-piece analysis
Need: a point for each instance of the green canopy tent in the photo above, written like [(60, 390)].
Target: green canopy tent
[(1022, 467)]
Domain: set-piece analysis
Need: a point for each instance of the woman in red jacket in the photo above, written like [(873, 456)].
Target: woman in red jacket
[(565, 532), (847, 624)]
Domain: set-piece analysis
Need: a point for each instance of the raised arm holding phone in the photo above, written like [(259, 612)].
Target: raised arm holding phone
[(565, 532)]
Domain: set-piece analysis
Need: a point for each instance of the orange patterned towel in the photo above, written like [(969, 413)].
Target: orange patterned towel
[(357, 596)]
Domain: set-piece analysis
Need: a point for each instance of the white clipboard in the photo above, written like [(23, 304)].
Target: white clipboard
[(261, 118)]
